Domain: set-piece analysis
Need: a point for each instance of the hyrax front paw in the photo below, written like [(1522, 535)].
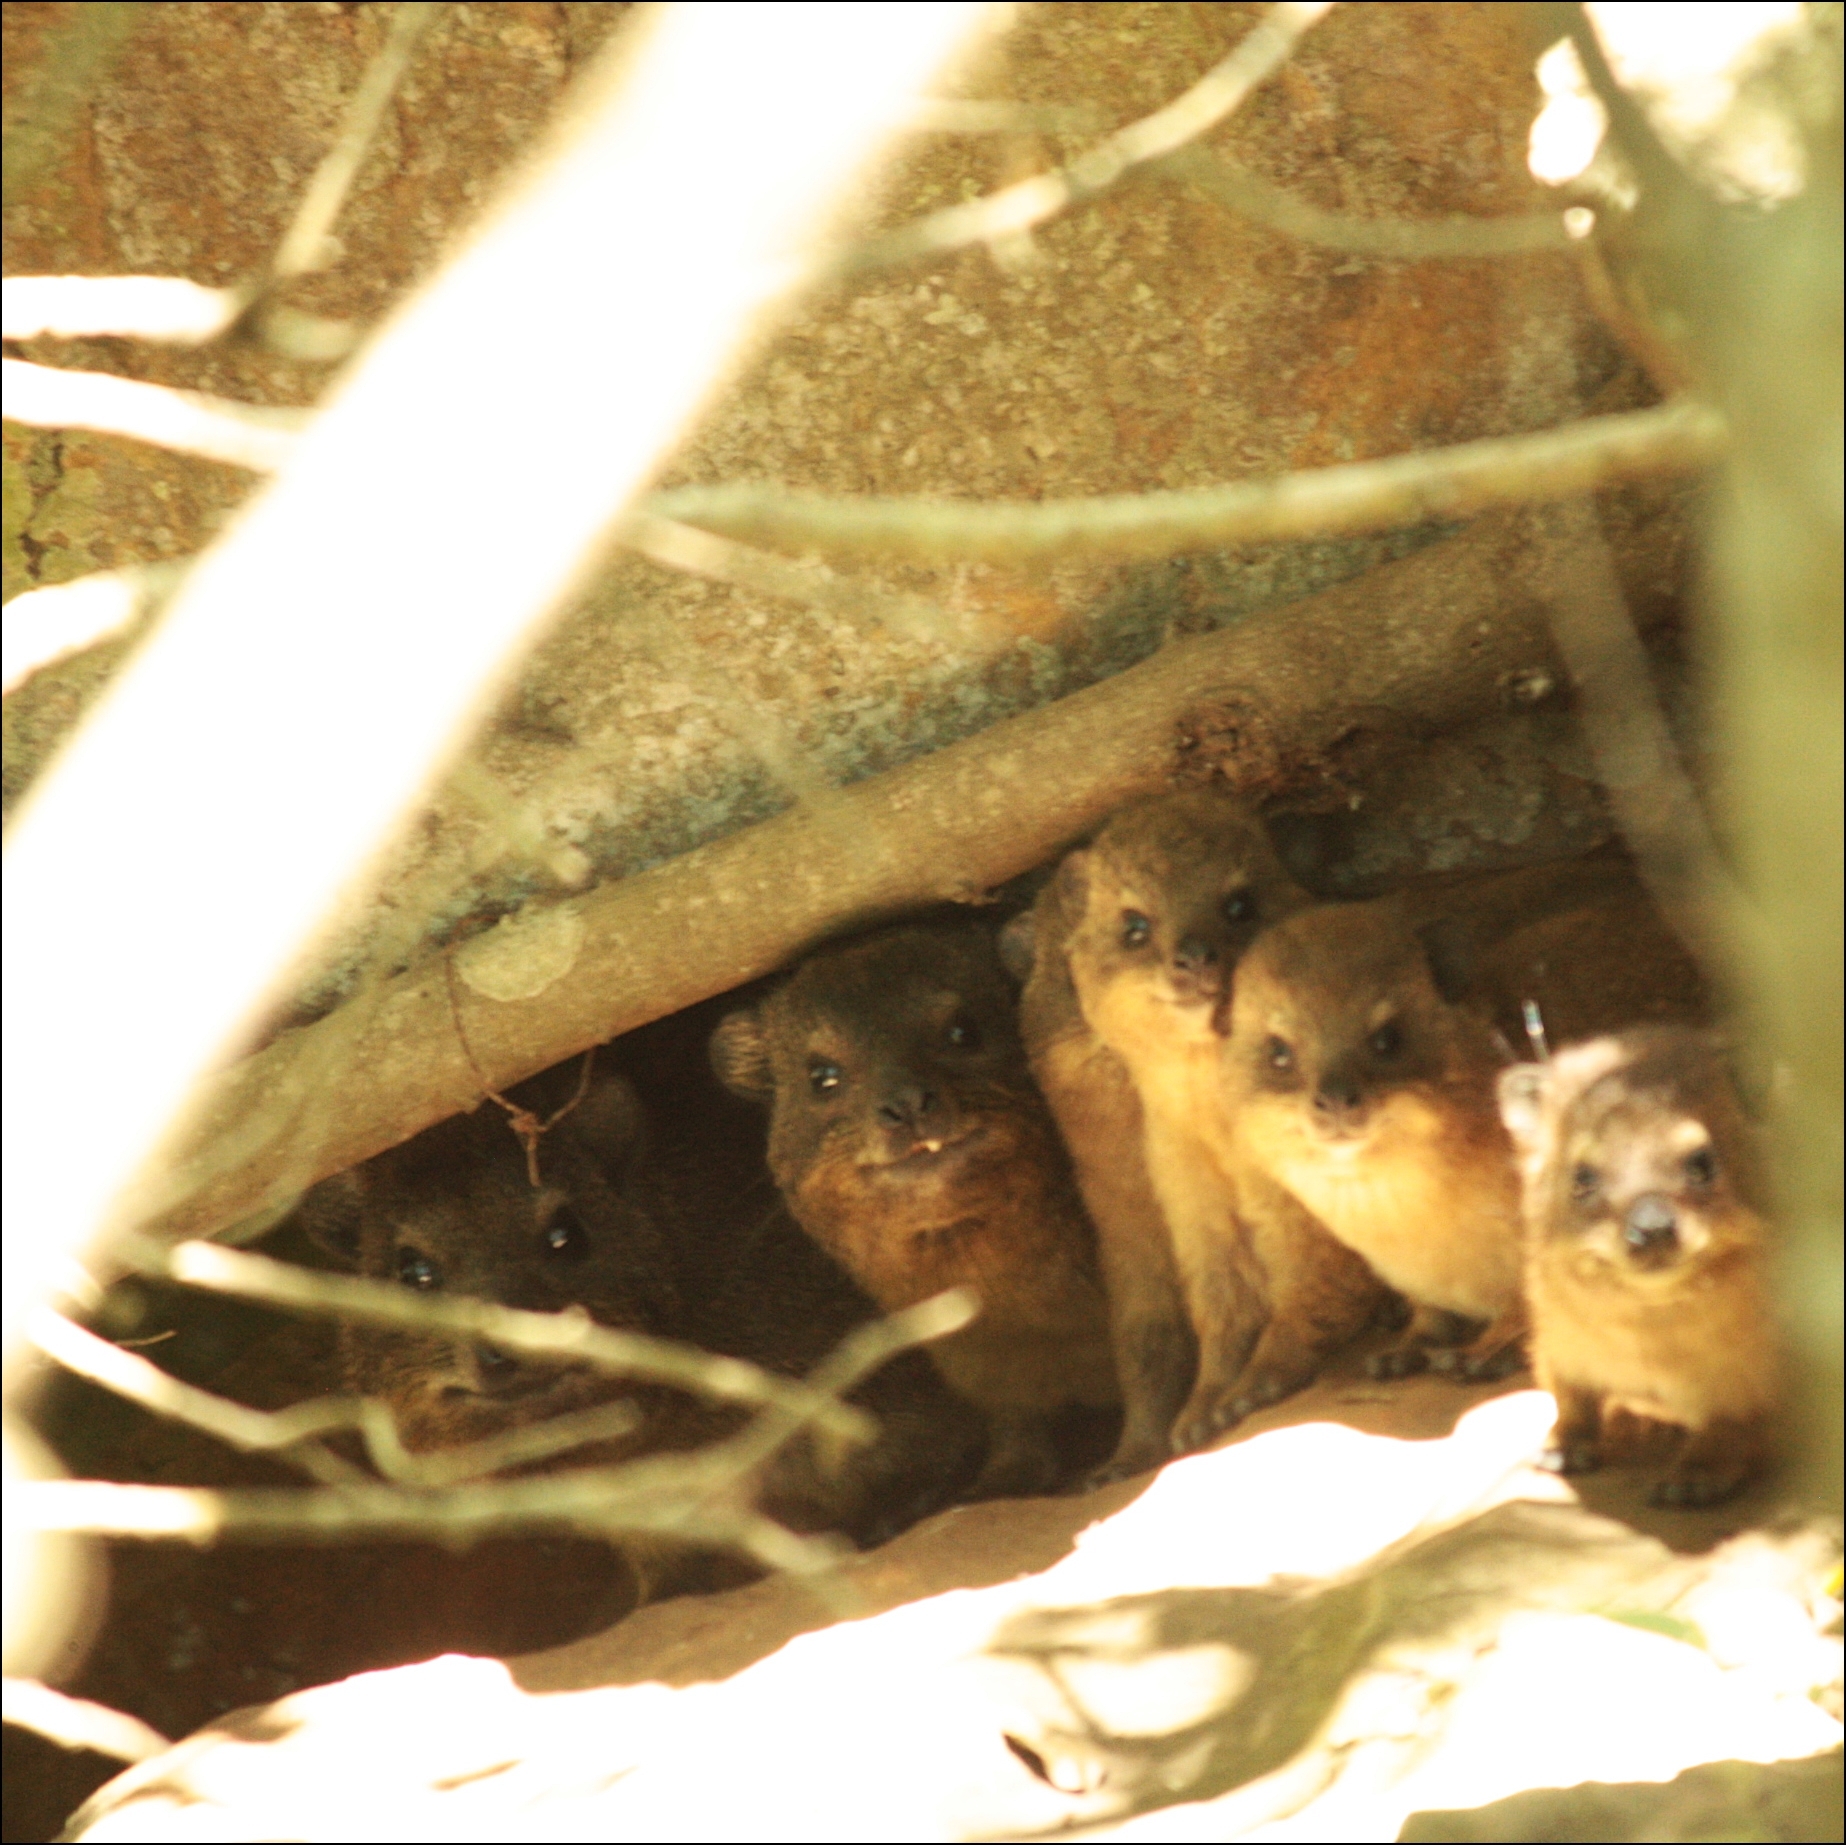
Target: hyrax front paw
[(1570, 1455), (1404, 1360), (1204, 1419)]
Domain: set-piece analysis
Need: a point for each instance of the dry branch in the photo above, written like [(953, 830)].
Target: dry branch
[(1015, 209), (77, 1723), (246, 435), (1444, 483), (1436, 638), (570, 1337), (1409, 239)]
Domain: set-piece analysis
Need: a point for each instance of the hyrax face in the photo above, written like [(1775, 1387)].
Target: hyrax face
[(1635, 1155), (454, 1211), (1166, 899), (1340, 1044), (900, 1102)]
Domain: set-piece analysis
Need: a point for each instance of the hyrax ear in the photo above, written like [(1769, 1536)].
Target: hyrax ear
[(1073, 883), (1523, 1091), (740, 1056), (333, 1214), (1019, 944), (1452, 953), (609, 1123)]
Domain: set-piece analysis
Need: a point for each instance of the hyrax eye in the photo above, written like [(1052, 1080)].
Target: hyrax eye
[(416, 1270), (1701, 1166), (824, 1076), (1387, 1040), (963, 1033), (1277, 1054), (1239, 907), (565, 1238), (1585, 1181), (1136, 929)]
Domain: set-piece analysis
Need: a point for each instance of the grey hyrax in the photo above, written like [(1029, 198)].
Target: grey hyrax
[(1646, 1259), (455, 1210), (1126, 957), (909, 1141)]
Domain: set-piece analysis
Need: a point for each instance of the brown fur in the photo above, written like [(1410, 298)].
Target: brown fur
[(909, 1142), (1646, 1253), (1207, 1325), (454, 1210), (1358, 1089)]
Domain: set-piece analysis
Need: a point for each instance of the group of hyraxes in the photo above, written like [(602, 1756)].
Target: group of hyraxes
[(1185, 1132)]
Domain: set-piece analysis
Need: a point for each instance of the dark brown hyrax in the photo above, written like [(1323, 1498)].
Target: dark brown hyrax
[(455, 1210), (1358, 1089), (910, 1143), (1646, 1253), (1129, 949)]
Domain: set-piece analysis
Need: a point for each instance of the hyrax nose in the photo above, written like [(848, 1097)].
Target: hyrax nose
[(1194, 954), (1338, 1096), (911, 1106), (1651, 1226)]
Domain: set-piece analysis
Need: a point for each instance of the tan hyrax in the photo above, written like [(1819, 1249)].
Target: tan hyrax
[(1131, 946)]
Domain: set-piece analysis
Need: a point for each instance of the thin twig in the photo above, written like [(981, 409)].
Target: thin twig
[(1401, 490), (76, 1723), (305, 247), (692, 1497), (47, 625), (1017, 208), (167, 308), (567, 1337), (292, 1434), (528, 1128), (684, 547), (1405, 238), (602, 1501), (1636, 760), (246, 435)]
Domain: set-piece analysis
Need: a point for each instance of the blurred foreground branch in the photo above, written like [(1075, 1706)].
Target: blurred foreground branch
[(1401, 490), (694, 1497), (569, 1337), (76, 1723)]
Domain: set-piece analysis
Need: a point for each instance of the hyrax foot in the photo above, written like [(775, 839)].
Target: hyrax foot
[(1022, 1463), (1127, 1461), (1688, 1488), (1205, 1418), (1478, 1364), (1570, 1456), (1404, 1360)]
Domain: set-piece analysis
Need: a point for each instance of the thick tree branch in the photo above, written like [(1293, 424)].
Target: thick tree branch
[(1437, 638), (1401, 490)]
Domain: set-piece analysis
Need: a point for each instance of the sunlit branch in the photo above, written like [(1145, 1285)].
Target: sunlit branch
[(47, 625), (246, 435), (1405, 238), (76, 1723), (146, 307), (567, 1337), (601, 1501), (700, 553), (1401, 490), (1016, 208)]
